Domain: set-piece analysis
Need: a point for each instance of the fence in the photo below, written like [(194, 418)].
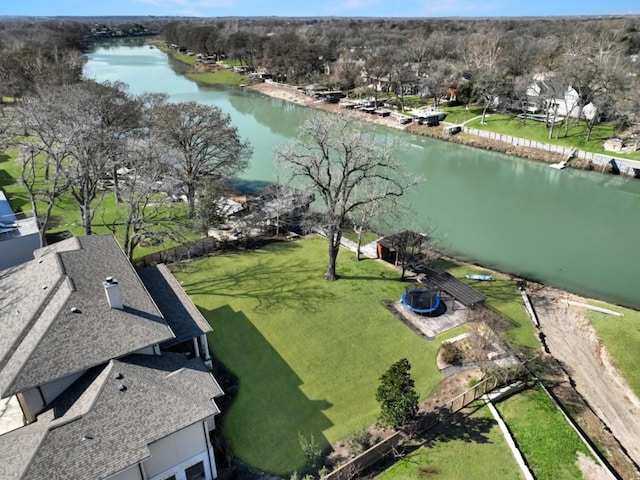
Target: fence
[(200, 248), (617, 164), (390, 445)]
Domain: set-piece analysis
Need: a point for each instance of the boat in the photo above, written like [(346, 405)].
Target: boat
[(477, 276)]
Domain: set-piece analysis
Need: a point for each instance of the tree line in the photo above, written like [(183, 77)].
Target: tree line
[(482, 60)]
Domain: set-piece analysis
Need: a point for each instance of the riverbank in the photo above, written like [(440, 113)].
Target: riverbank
[(299, 98)]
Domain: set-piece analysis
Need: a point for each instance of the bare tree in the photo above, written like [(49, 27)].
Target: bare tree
[(40, 188), (203, 142), (147, 215), (337, 159)]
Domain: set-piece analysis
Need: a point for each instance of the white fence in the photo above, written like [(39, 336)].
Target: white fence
[(623, 165)]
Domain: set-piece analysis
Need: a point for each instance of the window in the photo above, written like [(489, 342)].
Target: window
[(195, 472)]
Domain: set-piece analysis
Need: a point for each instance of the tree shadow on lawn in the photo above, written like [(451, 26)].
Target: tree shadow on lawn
[(461, 426), (269, 410), (270, 283)]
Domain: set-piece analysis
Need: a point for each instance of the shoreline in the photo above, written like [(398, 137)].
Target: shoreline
[(294, 96)]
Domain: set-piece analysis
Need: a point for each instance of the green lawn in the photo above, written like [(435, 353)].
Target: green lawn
[(621, 336), (547, 441), (461, 113), (308, 353), (471, 447), (66, 214), (504, 297), (510, 125), (367, 237), (181, 57), (219, 77)]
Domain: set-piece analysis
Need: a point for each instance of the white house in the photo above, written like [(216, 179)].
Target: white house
[(563, 102), (19, 235), (108, 366)]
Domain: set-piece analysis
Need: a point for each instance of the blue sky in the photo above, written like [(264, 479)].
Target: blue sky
[(348, 8)]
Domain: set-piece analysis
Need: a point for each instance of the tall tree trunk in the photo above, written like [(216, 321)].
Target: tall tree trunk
[(191, 201), (359, 243), (116, 186), (333, 239), (86, 219)]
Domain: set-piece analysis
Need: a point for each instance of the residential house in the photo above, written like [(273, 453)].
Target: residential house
[(108, 366), (543, 96), (19, 235)]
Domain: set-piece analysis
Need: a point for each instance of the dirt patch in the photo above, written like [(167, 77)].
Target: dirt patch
[(584, 378)]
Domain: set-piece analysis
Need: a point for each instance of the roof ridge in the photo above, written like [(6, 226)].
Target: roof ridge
[(33, 323), (35, 316)]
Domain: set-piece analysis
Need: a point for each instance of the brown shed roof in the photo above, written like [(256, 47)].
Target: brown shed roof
[(468, 296)]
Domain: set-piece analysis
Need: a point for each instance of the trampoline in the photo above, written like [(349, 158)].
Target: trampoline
[(420, 300)]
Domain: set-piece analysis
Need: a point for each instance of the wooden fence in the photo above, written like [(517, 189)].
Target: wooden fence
[(201, 248), (394, 443)]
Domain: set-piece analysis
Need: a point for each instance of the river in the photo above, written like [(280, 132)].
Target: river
[(572, 229)]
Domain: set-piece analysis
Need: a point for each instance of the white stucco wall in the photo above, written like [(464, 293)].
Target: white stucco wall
[(132, 473), (178, 451), (33, 400), (15, 251), (51, 390)]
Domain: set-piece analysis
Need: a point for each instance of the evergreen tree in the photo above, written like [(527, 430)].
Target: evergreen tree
[(397, 396)]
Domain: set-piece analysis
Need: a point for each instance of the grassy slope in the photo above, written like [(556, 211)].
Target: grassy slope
[(473, 449), (219, 77), (547, 441), (308, 353), (509, 125), (504, 297), (621, 336)]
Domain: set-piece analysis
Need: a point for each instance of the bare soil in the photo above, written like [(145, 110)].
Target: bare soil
[(582, 375)]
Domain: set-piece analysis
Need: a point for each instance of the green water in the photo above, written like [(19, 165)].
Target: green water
[(571, 229)]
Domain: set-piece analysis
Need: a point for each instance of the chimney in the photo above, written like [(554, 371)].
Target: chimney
[(112, 289)]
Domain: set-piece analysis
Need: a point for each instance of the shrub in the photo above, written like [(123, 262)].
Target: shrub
[(450, 353), (311, 449), (359, 442)]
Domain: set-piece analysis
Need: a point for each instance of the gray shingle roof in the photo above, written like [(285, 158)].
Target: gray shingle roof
[(164, 394), (46, 339), (181, 314)]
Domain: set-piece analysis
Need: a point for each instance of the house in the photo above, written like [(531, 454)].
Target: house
[(108, 366), (19, 235), (543, 96)]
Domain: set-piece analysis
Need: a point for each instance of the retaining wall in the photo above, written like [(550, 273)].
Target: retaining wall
[(619, 165)]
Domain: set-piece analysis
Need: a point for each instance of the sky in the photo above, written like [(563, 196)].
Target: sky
[(306, 8)]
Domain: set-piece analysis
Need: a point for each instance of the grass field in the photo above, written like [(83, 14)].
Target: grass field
[(470, 447), (504, 297), (621, 336), (66, 214), (547, 441), (509, 125), (461, 113), (219, 77), (308, 353)]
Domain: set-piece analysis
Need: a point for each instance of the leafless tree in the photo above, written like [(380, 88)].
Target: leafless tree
[(337, 159), (203, 142), (41, 188), (147, 214)]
